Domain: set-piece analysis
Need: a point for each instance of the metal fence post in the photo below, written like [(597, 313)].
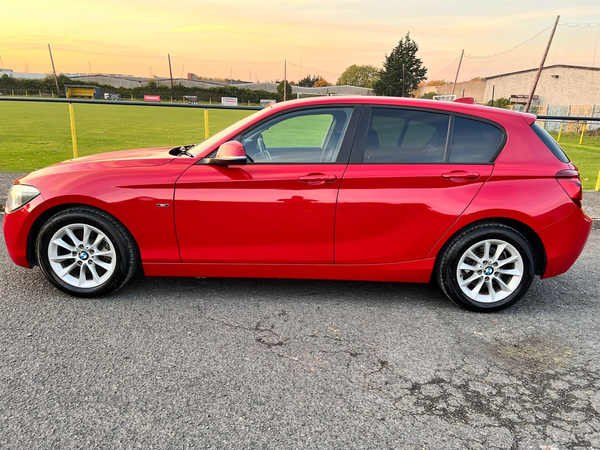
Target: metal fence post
[(206, 130), (560, 132), (73, 133), (598, 182)]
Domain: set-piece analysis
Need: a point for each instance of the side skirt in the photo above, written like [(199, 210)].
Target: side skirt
[(409, 271)]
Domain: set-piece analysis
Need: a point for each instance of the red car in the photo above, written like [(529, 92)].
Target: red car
[(357, 188)]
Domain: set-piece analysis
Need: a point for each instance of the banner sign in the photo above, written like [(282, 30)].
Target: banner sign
[(152, 98), (229, 101)]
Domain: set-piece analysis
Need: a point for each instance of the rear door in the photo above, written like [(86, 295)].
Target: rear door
[(411, 175)]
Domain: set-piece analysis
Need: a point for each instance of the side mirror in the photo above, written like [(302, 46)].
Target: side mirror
[(229, 153)]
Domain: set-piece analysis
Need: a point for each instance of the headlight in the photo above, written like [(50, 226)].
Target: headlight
[(19, 195)]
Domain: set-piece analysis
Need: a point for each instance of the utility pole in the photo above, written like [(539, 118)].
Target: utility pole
[(539, 72), (54, 71), (402, 79), (2, 64), (457, 70), (284, 80), (493, 93), (171, 73)]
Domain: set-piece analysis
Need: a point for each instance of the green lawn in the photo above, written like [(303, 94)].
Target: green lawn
[(585, 156), (34, 135)]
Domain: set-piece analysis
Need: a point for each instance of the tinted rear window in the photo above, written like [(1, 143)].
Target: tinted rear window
[(398, 136), (550, 143), (474, 142)]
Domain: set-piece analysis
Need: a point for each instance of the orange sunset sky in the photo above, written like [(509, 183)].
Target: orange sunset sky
[(252, 38)]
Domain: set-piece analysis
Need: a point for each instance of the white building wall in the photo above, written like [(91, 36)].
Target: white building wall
[(558, 85)]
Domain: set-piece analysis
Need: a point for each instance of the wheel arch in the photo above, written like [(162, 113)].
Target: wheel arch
[(529, 233), (46, 215)]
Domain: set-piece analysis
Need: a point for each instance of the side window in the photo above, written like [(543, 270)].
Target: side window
[(473, 141), (309, 136), (403, 136)]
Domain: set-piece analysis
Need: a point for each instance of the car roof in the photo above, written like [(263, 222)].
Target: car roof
[(476, 110)]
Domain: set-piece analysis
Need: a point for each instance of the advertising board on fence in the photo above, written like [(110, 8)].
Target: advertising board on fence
[(229, 101), (152, 98), (264, 102)]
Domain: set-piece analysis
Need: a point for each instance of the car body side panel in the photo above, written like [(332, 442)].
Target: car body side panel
[(259, 213), (132, 196), (397, 212)]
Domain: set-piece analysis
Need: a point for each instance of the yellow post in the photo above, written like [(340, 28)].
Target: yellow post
[(206, 130), (582, 131), (560, 132), (12, 92), (52, 94), (598, 182), (25, 92), (73, 133), (210, 101), (131, 97), (40, 92), (171, 99)]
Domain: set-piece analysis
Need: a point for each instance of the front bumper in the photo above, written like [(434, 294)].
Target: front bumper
[(16, 227), (564, 241)]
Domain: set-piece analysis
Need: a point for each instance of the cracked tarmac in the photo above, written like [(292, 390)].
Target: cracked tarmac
[(235, 363)]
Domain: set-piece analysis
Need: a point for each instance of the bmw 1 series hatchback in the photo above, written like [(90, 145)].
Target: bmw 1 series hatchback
[(349, 188)]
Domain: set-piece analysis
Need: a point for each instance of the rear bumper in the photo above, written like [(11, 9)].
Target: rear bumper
[(564, 241), (16, 227)]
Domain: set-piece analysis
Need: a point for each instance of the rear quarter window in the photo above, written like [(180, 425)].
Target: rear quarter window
[(474, 142), (550, 143)]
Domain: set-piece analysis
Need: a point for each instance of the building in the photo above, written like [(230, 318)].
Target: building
[(559, 84)]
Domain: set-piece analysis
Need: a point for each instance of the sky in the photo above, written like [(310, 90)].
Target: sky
[(250, 40)]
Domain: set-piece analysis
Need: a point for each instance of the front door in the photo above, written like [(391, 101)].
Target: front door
[(277, 208)]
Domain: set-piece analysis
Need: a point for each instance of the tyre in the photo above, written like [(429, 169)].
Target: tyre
[(86, 252), (486, 268)]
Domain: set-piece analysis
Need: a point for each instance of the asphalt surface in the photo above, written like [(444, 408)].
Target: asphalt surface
[(235, 363)]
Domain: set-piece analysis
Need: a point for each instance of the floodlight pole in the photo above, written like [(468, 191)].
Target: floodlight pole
[(171, 73), (539, 72), (457, 71), (54, 71), (284, 80)]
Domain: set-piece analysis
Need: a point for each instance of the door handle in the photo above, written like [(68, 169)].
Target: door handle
[(461, 175), (317, 178)]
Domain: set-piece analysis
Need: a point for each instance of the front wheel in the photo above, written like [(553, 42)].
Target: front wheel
[(86, 252), (486, 268)]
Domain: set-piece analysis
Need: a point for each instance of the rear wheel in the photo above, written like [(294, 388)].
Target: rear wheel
[(86, 252), (486, 268)]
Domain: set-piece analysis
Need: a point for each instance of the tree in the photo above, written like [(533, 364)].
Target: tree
[(322, 82), (429, 95), (309, 81), (501, 102), (434, 83), (280, 91), (390, 80), (361, 76)]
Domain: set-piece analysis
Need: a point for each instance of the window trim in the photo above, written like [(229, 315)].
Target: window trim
[(345, 147), (360, 140)]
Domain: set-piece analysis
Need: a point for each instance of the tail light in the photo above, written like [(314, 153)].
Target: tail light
[(571, 183)]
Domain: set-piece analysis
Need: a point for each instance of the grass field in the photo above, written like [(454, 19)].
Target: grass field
[(34, 135)]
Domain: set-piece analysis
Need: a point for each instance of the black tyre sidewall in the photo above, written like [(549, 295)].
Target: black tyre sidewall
[(448, 268), (117, 235)]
